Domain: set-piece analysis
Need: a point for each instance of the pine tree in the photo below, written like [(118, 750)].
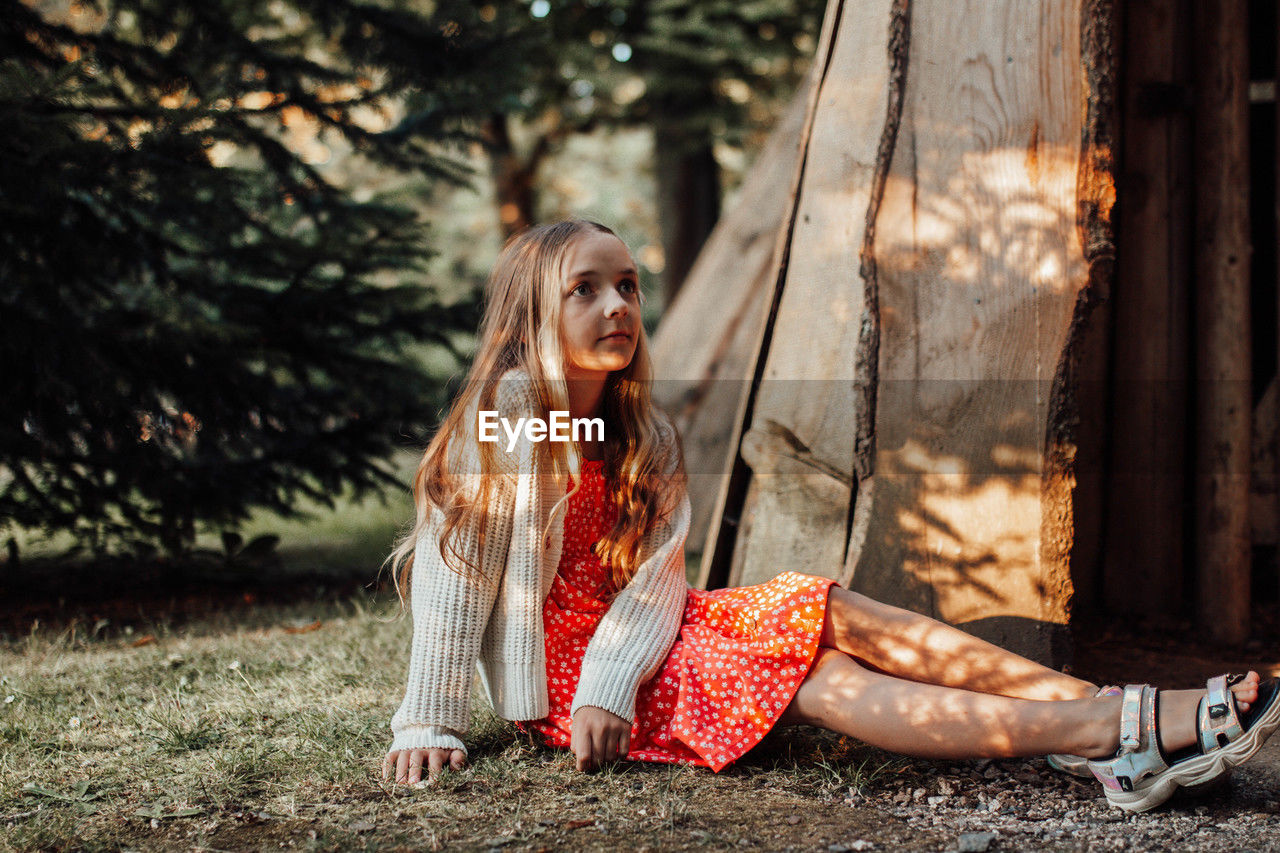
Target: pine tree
[(194, 320)]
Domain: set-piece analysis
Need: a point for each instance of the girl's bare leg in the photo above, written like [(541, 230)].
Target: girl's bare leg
[(933, 721), (909, 645)]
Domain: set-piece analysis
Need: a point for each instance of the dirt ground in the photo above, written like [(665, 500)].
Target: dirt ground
[(920, 805)]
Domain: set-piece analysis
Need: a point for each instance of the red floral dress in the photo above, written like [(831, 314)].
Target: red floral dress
[(740, 656)]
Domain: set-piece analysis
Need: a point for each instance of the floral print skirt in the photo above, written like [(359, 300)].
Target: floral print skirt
[(738, 660)]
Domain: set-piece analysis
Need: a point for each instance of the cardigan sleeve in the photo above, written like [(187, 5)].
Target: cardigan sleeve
[(634, 637), (450, 613)]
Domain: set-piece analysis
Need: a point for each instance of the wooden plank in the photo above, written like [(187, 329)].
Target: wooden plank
[(1144, 567), (705, 347), (912, 431), (1224, 404), (981, 264), (1263, 484), (800, 440), (723, 531)]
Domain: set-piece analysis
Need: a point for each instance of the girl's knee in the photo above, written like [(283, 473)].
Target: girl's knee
[(826, 687), (806, 704), (854, 617)]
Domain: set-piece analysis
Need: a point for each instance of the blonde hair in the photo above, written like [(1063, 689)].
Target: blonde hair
[(523, 304)]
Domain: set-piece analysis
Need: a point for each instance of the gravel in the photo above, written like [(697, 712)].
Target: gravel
[(1025, 804)]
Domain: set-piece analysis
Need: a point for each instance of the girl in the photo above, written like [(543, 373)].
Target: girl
[(583, 626)]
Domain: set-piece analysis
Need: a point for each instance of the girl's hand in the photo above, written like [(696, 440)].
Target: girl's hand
[(598, 736), (407, 763)]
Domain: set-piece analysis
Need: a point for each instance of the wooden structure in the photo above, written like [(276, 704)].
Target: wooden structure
[(958, 382)]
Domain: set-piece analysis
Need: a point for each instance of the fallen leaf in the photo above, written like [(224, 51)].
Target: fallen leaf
[(289, 629), (578, 824), (143, 641)]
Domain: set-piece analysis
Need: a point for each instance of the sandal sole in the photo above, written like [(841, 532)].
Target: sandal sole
[(1201, 770)]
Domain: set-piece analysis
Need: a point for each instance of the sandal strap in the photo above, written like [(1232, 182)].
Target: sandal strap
[(1217, 719), (1139, 755), (1131, 718)]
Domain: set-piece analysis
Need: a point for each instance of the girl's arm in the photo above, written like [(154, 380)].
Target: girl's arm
[(450, 613), (636, 634)]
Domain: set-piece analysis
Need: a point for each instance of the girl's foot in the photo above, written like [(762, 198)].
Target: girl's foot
[(1174, 739), (1176, 724), (1177, 719)]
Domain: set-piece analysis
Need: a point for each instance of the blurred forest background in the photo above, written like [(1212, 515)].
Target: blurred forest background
[(245, 242)]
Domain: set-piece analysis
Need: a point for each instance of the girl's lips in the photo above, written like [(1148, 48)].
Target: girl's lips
[(617, 335)]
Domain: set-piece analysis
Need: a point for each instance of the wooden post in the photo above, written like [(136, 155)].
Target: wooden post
[(1144, 568), (1224, 406)]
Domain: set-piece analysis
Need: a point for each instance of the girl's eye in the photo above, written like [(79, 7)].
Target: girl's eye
[(579, 287), (629, 285)]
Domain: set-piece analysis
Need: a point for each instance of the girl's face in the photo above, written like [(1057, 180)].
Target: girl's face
[(600, 316)]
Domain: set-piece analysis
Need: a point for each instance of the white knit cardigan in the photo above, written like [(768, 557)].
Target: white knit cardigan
[(494, 623)]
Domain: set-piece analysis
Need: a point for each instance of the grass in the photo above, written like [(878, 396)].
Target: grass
[(246, 732)]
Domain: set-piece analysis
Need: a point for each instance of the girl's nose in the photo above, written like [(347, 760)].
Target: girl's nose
[(616, 305)]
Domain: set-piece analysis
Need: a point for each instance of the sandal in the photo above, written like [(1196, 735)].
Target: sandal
[(1078, 765), (1142, 775)]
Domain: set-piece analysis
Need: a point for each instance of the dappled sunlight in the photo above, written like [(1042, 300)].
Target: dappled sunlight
[(972, 544), (989, 224), (929, 721)]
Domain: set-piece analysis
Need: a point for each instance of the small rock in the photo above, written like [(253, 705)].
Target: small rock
[(936, 801), (975, 842), (838, 848), (793, 819), (918, 795), (361, 826), (861, 845)]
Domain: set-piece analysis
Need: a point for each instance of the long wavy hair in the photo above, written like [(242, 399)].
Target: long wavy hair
[(521, 329)]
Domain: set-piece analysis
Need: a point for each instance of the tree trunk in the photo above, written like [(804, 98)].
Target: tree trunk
[(513, 176), (913, 433), (688, 186)]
